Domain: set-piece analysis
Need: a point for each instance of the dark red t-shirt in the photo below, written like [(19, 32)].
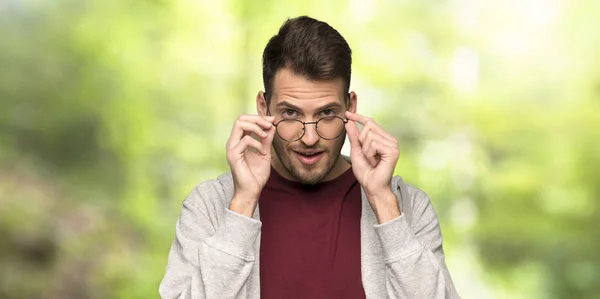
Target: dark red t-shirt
[(310, 239)]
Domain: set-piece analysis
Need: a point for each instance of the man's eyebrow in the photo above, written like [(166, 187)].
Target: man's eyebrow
[(330, 105), (326, 106), (288, 105)]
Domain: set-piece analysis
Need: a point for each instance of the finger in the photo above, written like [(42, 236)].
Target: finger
[(242, 128), (368, 149), (357, 157), (383, 152), (246, 143), (249, 127), (263, 121), (369, 123), (361, 119), (363, 134), (376, 136), (373, 126), (377, 148), (383, 141), (266, 142), (365, 142), (352, 133), (383, 148), (372, 154), (384, 134)]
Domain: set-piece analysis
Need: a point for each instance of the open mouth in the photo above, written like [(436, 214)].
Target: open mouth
[(309, 158)]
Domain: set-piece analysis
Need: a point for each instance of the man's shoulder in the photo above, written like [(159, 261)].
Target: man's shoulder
[(215, 190), (409, 197), (409, 190)]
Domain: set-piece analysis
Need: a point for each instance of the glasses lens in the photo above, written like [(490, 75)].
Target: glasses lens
[(330, 127), (290, 130)]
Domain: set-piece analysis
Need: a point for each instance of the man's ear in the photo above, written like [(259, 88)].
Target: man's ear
[(261, 104), (352, 102)]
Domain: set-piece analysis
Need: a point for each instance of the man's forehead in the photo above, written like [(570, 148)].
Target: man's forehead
[(308, 100), (307, 94), (308, 105), (287, 81)]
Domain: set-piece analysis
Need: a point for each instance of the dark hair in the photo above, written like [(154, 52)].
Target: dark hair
[(310, 48)]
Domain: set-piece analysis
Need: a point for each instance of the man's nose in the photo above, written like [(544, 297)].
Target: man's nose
[(310, 135)]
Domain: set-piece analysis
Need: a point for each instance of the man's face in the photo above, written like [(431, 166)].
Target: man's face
[(310, 159)]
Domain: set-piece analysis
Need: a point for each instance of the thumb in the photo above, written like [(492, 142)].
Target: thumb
[(352, 131), (269, 140)]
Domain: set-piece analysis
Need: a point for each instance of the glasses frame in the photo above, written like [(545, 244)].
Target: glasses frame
[(316, 123)]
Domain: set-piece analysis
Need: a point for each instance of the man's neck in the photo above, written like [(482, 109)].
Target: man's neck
[(340, 166)]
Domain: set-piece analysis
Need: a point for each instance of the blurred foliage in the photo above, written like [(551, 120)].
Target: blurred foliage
[(111, 111)]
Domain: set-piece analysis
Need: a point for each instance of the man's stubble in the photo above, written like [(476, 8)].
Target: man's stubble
[(315, 176)]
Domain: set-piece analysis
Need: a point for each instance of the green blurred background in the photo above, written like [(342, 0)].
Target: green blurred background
[(111, 111)]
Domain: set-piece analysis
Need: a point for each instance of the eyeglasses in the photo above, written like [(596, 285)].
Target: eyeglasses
[(290, 130), (328, 128)]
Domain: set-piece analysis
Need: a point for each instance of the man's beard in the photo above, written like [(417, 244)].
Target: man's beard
[(313, 176)]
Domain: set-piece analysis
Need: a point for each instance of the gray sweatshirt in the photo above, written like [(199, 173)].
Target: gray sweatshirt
[(215, 253)]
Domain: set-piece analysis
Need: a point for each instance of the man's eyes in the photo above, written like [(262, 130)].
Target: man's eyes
[(328, 112), (290, 113)]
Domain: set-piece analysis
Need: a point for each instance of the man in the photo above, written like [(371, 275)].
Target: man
[(329, 226)]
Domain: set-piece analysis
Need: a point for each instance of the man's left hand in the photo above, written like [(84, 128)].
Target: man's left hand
[(374, 154)]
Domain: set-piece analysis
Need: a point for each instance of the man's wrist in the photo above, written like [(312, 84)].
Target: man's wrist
[(384, 205), (243, 205)]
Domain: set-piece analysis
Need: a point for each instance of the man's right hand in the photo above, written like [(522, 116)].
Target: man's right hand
[(250, 168)]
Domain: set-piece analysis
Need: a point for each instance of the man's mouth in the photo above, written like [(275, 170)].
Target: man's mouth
[(309, 157)]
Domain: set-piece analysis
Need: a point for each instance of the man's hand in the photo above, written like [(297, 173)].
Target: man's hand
[(250, 168), (374, 154)]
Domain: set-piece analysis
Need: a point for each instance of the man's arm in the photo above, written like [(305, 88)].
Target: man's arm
[(413, 253), (213, 251), (413, 256)]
